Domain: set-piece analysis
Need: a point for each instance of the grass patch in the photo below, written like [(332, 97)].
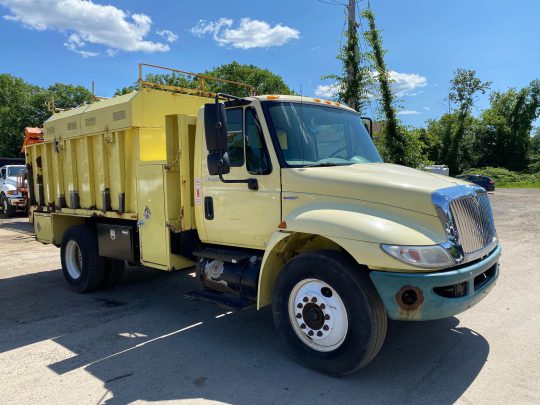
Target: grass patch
[(505, 178)]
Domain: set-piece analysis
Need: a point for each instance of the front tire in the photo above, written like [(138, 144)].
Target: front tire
[(327, 312), (7, 209), (82, 267)]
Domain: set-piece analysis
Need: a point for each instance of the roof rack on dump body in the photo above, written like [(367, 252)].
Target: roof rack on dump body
[(201, 90)]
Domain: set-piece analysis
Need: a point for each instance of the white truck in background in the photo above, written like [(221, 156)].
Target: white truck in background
[(12, 198)]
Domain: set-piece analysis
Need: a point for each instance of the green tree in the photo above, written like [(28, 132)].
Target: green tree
[(504, 136), (25, 105), (17, 100), (464, 88)]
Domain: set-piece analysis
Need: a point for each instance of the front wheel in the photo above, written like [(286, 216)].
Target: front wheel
[(7, 209), (328, 313)]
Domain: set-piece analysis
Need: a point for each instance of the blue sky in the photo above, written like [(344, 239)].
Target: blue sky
[(72, 41)]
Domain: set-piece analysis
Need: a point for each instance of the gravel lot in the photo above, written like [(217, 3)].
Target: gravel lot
[(144, 342)]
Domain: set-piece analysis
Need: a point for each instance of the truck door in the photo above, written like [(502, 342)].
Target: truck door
[(234, 214)]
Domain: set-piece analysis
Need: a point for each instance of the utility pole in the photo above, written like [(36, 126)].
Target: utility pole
[(351, 102)]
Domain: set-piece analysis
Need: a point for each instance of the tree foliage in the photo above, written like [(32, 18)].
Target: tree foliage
[(25, 105), (464, 87), (503, 138)]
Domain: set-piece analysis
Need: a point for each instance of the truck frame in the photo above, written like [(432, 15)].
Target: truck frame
[(277, 200)]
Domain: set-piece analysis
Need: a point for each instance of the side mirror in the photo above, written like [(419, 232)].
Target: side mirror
[(368, 125), (215, 127), (218, 164)]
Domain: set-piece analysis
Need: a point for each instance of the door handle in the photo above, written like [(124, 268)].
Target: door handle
[(208, 208)]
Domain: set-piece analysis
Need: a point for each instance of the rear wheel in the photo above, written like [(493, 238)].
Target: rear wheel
[(82, 267), (328, 313), (7, 209)]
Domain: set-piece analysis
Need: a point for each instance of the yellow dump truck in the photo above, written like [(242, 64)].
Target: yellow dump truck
[(277, 200)]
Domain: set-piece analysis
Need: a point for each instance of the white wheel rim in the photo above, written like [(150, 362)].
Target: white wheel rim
[(73, 259), (318, 315), (5, 205)]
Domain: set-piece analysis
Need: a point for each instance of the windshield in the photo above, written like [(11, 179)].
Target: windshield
[(312, 135), (15, 171)]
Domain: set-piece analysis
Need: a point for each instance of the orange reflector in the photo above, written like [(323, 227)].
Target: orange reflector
[(317, 100), (272, 97), (328, 102), (336, 103), (282, 225)]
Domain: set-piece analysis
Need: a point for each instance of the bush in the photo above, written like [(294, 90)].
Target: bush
[(508, 179)]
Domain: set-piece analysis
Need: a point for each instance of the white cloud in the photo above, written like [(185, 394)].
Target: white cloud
[(168, 35), (408, 112), (86, 22), (427, 108), (406, 83), (74, 44), (326, 91), (249, 34), (403, 84)]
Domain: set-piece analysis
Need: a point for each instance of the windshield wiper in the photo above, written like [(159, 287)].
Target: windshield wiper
[(326, 164)]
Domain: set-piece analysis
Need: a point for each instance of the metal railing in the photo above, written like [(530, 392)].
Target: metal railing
[(202, 81)]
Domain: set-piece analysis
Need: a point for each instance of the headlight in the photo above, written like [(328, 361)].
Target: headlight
[(421, 256), (12, 192)]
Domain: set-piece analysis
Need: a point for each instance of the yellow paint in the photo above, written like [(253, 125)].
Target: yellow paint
[(43, 227)]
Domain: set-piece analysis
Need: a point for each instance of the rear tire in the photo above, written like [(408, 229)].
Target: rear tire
[(114, 270), (7, 210), (82, 267), (328, 313)]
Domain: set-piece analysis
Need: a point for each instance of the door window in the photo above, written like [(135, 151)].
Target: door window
[(235, 136), (245, 141), (257, 161)]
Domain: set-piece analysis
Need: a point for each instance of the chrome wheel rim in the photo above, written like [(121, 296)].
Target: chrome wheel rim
[(74, 259), (318, 315)]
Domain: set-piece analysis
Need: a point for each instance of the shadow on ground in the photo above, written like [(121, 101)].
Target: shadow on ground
[(145, 341)]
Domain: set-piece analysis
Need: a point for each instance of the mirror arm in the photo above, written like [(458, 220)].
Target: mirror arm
[(253, 184)]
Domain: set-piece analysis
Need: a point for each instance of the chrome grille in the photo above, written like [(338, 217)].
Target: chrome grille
[(474, 221)]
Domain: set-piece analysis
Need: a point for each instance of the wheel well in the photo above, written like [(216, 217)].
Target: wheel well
[(285, 250)]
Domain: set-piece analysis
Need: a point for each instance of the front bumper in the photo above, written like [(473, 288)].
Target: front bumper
[(18, 202), (427, 296)]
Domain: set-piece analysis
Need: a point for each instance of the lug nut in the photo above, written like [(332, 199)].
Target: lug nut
[(314, 299), (303, 326), (323, 306), (299, 305), (310, 333), (305, 299), (319, 333), (299, 316), (326, 327), (327, 317)]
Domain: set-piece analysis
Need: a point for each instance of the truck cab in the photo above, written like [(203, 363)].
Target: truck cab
[(12, 199)]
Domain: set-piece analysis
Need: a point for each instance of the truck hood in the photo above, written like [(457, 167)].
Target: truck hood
[(380, 183), (11, 181)]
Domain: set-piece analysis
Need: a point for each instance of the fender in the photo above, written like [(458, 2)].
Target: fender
[(358, 230)]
